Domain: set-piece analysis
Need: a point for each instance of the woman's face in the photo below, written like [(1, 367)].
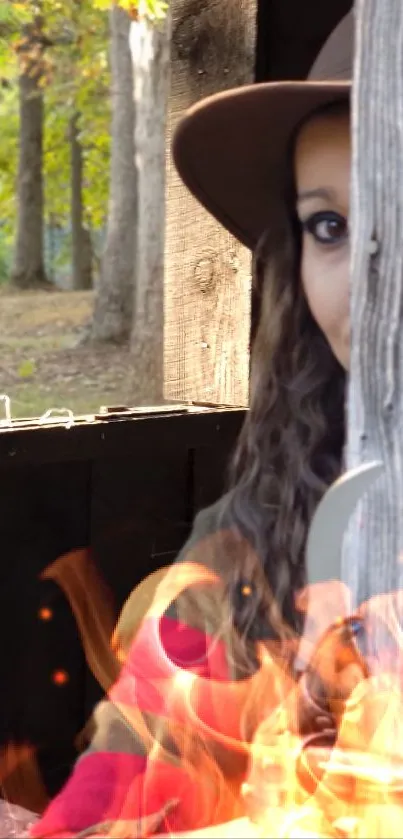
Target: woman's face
[(322, 170)]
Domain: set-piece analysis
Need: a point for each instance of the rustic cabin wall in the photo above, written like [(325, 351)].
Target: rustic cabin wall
[(44, 514), (126, 490)]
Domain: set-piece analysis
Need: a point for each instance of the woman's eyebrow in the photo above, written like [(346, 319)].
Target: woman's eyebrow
[(323, 192)]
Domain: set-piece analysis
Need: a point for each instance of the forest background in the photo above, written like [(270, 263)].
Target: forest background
[(67, 202)]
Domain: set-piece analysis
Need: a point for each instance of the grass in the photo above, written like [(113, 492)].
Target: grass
[(42, 363)]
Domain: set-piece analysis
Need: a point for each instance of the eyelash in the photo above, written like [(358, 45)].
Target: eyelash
[(310, 226)]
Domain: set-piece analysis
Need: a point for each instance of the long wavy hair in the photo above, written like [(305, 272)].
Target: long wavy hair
[(291, 446)]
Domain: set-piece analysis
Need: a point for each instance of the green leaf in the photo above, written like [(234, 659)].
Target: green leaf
[(156, 9), (104, 5), (26, 369)]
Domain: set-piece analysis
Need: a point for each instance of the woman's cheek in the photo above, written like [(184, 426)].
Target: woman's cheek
[(326, 282)]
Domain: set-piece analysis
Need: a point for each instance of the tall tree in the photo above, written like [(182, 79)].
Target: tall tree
[(112, 318), (28, 270), (75, 79), (80, 233), (150, 48)]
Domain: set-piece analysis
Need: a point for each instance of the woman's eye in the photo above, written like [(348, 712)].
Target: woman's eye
[(327, 228)]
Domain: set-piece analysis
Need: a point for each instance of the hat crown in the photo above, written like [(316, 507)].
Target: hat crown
[(335, 60)]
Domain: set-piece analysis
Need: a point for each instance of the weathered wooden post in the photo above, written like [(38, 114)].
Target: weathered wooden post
[(207, 281), (372, 561)]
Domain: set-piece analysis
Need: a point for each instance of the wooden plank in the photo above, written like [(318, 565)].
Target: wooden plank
[(126, 489), (112, 437), (44, 514), (142, 510), (372, 561), (207, 283)]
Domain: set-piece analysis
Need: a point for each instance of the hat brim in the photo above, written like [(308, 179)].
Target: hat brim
[(230, 149)]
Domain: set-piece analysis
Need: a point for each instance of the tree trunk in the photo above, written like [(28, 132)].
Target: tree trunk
[(372, 561), (80, 235), (207, 293), (113, 310), (150, 48), (28, 269)]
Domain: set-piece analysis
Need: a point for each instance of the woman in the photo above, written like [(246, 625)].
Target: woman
[(214, 655)]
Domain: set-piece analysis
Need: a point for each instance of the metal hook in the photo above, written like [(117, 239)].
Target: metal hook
[(329, 523), (325, 537)]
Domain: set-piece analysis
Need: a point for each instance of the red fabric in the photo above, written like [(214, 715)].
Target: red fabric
[(95, 792), (151, 680), (108, 786)]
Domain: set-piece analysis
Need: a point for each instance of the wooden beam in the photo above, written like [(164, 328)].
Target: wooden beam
[(373, 557), (207, 283)]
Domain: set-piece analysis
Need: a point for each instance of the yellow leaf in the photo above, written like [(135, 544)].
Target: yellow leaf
[(26, 369)]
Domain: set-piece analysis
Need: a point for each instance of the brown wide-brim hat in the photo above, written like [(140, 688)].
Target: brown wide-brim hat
[(231, 149)]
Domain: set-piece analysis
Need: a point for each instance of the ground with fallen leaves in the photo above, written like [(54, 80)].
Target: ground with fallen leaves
[(43, 362)]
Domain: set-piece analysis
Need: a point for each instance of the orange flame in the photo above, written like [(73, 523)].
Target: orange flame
[(228, 748), (345, 777), (91, 603), (20, 778)]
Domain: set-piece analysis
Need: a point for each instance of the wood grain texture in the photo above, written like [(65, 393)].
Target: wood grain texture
[(372, 561), (207, 283)]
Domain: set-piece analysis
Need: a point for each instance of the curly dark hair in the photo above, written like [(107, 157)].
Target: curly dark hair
[(290, 449)]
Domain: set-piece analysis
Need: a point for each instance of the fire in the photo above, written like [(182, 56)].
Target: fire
[(329, 763), (306, 743)]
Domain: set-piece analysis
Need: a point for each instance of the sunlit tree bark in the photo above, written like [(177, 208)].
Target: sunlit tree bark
[(80, 234), (150, 48), (112, 319)]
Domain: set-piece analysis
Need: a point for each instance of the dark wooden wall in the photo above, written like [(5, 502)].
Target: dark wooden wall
[(290, 33), (127, 489)]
